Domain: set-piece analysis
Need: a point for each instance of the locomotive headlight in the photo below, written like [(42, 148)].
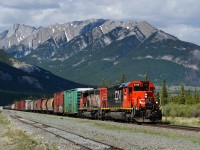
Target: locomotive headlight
[(145, 95)]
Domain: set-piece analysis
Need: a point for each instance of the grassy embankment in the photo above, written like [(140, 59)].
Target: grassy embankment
[(13, 138)]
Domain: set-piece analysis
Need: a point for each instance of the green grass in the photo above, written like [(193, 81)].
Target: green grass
[(182, 121), (25, 142), (19, 139), (3, 120)]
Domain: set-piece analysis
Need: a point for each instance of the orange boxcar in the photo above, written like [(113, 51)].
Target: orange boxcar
[(50, 105), (58, 102)]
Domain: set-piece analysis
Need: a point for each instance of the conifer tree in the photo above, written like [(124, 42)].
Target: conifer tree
[(182, 95), (164, 95), (103, 83), (157, 96), (196, 98), (188, 98), (122, 78), (145, 77), (110, 83), (170, 98)]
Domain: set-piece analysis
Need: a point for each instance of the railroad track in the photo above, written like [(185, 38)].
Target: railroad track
[(82, 142), (177, 127)]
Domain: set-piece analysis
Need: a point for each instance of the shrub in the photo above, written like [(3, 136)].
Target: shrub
[(180, 110), (196, 111)]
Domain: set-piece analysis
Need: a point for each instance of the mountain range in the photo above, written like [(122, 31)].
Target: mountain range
[(19, 80), (91, 50)]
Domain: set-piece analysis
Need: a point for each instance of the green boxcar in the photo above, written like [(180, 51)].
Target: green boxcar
[(72, 100)]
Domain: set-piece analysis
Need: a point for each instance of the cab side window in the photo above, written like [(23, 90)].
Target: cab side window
[(130, 89)]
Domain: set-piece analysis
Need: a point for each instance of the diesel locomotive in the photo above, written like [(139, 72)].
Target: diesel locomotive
[(131, 101)]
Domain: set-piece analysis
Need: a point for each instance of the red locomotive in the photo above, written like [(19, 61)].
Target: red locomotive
[(132, 101)]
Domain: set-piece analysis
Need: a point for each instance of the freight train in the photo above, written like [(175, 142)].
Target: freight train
[(132, 102)]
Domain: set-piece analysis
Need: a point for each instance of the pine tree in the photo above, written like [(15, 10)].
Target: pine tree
[(103, 83), (182, 95), (122, 78), (196, 98), (188, 98), (164, 95), (170, 98), (157, 97), (145, 77), (110, 83)]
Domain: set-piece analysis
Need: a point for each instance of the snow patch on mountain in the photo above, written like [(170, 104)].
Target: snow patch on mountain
[(107, 40), (116, 62), (101, 29), (194, 67), (27, 52), (34, 56), (110, 58), (196, 54), (149, 57), (23, 66), (167, 57), (66, 35), (74, 65)]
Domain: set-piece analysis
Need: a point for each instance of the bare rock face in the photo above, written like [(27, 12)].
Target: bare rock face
[(21, 40)]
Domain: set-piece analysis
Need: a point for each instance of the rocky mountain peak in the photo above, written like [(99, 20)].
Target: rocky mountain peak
[(19, 29), (21, 40), (146, 28)]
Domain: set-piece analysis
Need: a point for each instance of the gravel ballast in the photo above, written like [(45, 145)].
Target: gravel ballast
[(122, 135)]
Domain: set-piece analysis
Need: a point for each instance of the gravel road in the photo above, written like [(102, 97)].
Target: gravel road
[(122, 135)]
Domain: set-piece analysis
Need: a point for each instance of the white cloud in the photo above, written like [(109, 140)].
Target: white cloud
[(163, 14), (184, 32)]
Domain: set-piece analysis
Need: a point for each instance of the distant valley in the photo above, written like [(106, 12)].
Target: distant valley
[(19, 80)]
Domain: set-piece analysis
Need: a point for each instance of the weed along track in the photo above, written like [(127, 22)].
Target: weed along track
[(176, 127), (82, 142)]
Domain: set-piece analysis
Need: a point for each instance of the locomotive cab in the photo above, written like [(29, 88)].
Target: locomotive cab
[(145, 107), (133, 101)]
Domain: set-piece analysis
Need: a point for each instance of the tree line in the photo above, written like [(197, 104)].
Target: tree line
[(184, 97)]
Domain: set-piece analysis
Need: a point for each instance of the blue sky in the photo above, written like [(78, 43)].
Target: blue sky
[(180, 18)]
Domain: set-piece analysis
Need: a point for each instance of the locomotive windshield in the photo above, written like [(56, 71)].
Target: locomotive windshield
[(138, 87)]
